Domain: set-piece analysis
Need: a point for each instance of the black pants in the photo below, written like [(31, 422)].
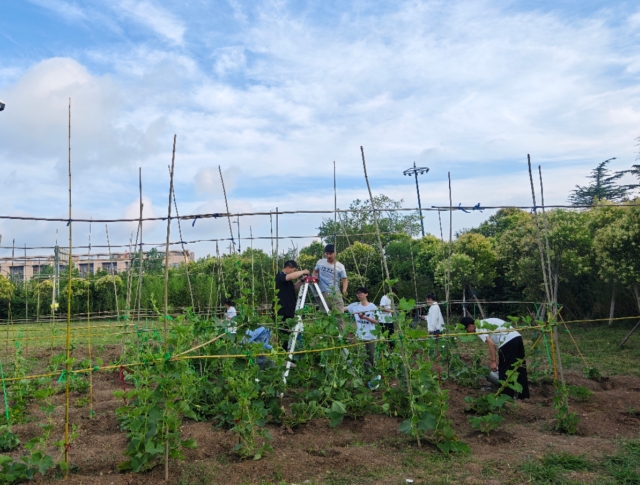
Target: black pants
[(370, 347), (508, 355), (285, 331), (388, 327)]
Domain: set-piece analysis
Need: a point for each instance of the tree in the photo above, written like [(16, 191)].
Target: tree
[(603, 187), (617, 248), (360, 226), (472, 264), (570, 244)]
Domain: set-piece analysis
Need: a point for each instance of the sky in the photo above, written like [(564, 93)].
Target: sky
[(273, 92)]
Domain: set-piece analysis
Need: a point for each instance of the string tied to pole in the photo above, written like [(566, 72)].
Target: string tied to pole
[(460, 208), (477, 207), (69, 222)]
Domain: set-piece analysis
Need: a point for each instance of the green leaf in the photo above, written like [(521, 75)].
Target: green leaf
[(338, 407), (405, 427), (427, 422), (190, 443)]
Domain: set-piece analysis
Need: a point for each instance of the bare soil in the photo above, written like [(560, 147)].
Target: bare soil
[(370, 450)]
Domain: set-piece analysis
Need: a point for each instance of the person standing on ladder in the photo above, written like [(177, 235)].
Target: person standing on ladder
[(331, 274), (286, 290)]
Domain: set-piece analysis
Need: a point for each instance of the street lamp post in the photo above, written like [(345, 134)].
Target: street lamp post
[(238, 222), (415, 171)]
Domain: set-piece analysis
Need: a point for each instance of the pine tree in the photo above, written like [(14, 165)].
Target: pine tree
[(602, 187)]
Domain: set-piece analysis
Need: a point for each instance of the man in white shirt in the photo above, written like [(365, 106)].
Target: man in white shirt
[(331, 275), (506, 348), (230, 316), (434, 319), (365, 313), (386, 315)]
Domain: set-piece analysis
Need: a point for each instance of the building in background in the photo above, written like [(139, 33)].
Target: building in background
[(18, 268)]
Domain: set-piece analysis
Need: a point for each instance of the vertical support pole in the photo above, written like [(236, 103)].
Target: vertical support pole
[(448, 288), (277, 241), (554, 303), (253, 288), (226, 203), (166, 291), (68, 365), (141, 256), (388, 279), (415, 172), (89, 327), (26, 298)]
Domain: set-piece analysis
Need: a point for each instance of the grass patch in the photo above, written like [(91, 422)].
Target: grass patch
[(623, 468)]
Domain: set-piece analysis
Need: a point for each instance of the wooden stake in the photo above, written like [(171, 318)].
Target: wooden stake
[(448, 285), (547, 284), (115, 286), (253, 289), (226, 203), (184, 252), (141, 256), (166, 291), (388, 279), (89, 327), (277, 242), (68, 362), (26, 291)]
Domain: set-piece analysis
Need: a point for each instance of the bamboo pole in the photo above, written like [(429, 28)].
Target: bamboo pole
[(38, 295), (184, 252), (448, 286), (89, 327), (554, 303), (253, 289), (68, 361), (115, 286), (26, 298), (141, 256), (226, 203), (277, 242), (388, 281), (166, 291), (132, 258), (13, 248)]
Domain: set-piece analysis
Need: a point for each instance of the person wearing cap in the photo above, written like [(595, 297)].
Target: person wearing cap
[(506, 348), (331, 276), (286, 288)]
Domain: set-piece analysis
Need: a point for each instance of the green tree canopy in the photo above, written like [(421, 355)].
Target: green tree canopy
[(603, 186)]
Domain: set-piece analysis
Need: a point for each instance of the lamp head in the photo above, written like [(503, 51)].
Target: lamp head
[(2, 105)]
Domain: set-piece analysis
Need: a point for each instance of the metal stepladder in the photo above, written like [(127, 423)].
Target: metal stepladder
[(308, 283)]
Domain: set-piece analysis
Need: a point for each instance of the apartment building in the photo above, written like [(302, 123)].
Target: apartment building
[(19, 268)]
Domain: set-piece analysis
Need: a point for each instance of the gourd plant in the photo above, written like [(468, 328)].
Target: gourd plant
[(418, 397), (163, 394), (242, 393)]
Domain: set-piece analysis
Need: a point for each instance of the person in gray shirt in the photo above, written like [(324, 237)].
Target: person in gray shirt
[(332, 276)]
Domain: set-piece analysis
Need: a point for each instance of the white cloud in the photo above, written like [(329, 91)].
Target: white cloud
[(67, 10), (466, 87), (158, 19), (229, 59)]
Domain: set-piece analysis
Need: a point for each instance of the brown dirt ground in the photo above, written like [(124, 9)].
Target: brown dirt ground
[(357, 448)]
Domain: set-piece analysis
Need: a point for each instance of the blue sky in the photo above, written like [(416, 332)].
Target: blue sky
[(275, 91)]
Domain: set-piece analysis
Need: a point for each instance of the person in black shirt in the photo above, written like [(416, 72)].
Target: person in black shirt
[(286, 289)]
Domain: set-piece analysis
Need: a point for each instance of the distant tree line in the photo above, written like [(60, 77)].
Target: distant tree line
[(594, 262)]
